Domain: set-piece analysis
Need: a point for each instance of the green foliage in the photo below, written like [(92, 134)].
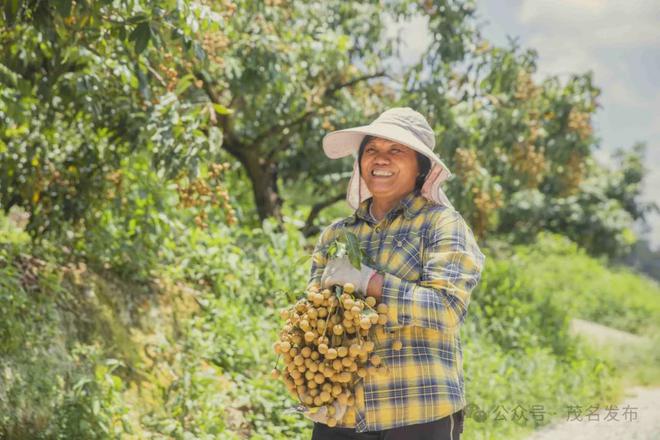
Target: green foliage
[(53, 385), (616, 297), (85, 85)]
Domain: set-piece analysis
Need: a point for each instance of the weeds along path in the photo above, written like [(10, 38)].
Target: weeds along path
[(636, 417)]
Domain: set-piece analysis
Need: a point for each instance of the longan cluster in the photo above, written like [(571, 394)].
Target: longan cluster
[(573, 172), (326, 348), (525, 87), (530, 162), (213, 44), (466, 163), (201, 193), (169, 71), (580, 122)]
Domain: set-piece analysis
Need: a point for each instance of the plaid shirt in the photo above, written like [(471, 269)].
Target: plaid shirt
[(431, 263)]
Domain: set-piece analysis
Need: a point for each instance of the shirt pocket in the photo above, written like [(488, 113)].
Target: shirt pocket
[(405, 258)]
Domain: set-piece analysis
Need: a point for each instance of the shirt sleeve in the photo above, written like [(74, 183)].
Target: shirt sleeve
[(452, 265)]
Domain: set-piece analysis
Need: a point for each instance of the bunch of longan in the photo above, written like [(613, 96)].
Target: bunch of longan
[(326, 346)]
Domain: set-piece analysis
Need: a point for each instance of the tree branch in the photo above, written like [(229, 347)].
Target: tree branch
[(309, 227), (328, 92), (354, 81)]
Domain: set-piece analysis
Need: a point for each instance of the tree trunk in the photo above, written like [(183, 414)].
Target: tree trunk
[(263, 176)]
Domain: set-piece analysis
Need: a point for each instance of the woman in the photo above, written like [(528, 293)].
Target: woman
[(426, 264)]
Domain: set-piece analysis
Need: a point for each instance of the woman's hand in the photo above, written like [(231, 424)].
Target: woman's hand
[(320, 415), (340, 271)]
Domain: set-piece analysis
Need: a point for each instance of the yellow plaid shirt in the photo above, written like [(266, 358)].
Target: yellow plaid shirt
[(431, 263)]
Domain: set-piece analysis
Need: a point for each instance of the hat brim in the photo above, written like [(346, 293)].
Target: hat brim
[(342, 143)]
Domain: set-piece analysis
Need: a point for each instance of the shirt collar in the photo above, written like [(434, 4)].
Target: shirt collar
[(411, 204)]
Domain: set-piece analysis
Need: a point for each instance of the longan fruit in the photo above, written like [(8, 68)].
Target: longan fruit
[(362, 372), (397, 345), (375, 360), (338, 329), (318, 401), (349, 288), (285, 347), (337, 365), (373, 318), (323, 349), (275, 373), (344, 377), (332, 422), (342, 351), (371, 301), (325, 396), (331, 353), (382, 308), (310, 336), (382, 319)]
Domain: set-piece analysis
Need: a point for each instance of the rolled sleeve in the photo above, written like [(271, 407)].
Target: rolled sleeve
[(452, 265)]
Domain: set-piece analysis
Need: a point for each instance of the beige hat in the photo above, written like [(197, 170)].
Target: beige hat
[(402, 125)]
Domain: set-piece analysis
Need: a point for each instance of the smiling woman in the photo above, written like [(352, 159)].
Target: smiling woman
[(391, 170), (425, 264)]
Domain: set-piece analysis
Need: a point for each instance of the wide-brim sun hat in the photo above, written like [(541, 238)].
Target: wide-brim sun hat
[(402, 125)]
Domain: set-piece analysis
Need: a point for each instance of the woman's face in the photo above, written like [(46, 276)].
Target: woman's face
[(389, 169)]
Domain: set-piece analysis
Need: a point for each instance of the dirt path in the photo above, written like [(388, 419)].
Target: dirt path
[(641, 422)]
